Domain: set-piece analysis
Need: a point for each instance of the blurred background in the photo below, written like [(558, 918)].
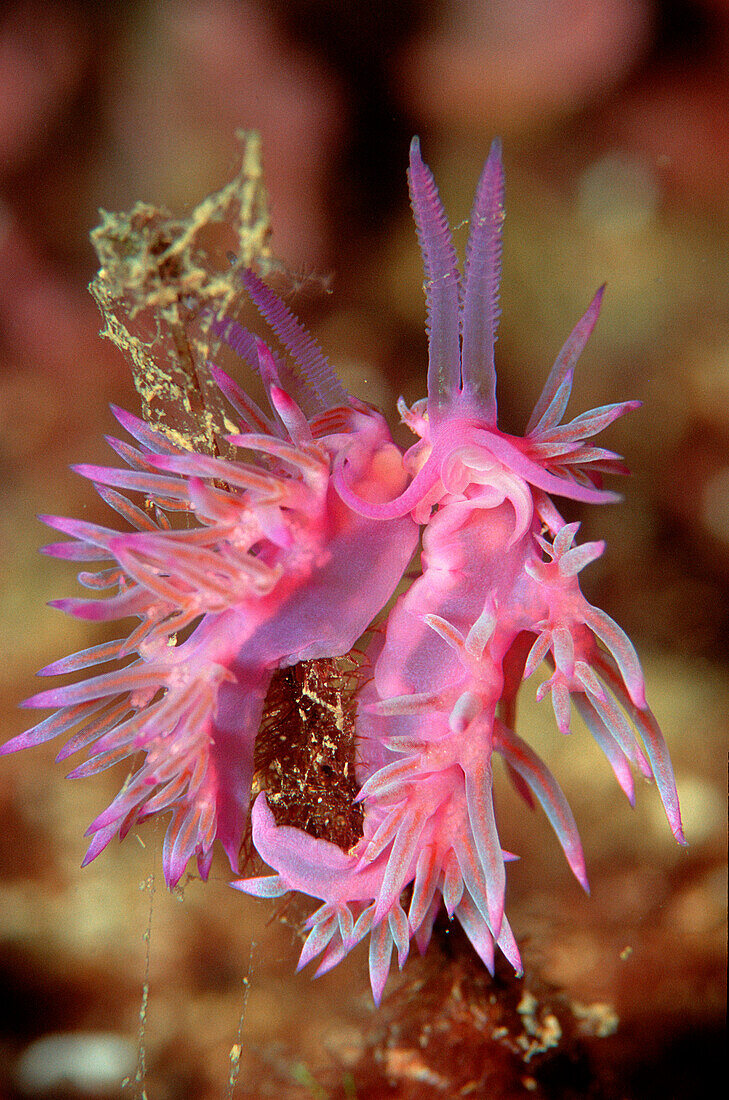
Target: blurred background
[(615, 121)]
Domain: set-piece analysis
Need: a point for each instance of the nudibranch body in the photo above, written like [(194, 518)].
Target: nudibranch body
[(291, 554)]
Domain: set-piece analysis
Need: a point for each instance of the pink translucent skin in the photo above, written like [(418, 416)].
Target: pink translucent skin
[(292, 559), (498, 595), (275, 570)]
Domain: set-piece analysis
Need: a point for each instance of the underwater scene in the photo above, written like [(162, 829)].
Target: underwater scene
[(364, 427)]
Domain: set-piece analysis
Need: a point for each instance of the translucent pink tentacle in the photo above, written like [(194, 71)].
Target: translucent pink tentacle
[(480, 313), (307, 354), (552, 403), (441, 287)]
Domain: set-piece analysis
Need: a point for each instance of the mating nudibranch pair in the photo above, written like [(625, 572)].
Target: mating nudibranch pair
[(292, 560)]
